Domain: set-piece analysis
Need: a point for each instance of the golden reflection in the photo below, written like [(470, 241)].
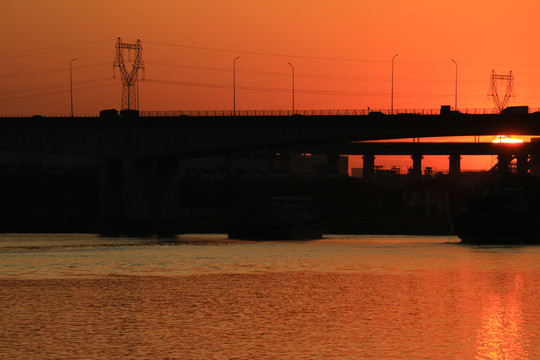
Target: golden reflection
[(501, 335)]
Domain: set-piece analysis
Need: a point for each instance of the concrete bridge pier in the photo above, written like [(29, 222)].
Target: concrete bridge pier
[(369, 165), (166, 189), (416, 170), (503, 164), (522, 164), (111, 198), (454, 167), (138, 196), (139, 191), (534, 165)]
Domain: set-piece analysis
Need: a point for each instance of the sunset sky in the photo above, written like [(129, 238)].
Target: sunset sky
[(341, 51)]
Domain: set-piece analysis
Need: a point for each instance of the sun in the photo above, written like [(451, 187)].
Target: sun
[(502, 139)]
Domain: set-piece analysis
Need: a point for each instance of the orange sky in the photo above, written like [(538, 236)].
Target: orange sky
[(341, 51)]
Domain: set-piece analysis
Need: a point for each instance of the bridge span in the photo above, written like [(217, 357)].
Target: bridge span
[(523, 152), (194, 136), (139, 155)]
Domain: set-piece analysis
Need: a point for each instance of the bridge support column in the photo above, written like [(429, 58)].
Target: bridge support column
[(416, 170), (522, 164), (369, 165), (138, 196), (454, 167), (167, 174), (139, 189), (503, 164), (534, 165), (110, 192)]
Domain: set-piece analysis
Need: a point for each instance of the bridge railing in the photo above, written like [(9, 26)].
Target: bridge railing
[(47, 116), (329, 112), (254, 112)]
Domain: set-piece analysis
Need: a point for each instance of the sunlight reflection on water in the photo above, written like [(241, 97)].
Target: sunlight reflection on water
[(207, 297)]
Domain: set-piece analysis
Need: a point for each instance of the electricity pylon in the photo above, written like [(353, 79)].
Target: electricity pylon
[(509, 79), (130, 98)]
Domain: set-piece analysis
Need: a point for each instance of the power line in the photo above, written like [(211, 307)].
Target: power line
[(54, 47), (48, 90), (57, 92), (259, 72), (47, 71), (52, 52), (284, 90), (328, 58), (300, 75), (265, 53)]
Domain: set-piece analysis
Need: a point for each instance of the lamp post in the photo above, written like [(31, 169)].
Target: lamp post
[(71, 84), (292, 87), (455, 105), (392, 96), (234, 85)]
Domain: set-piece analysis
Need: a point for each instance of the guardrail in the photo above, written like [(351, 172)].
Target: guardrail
[(49, 116), (253, 113), (329, 112)]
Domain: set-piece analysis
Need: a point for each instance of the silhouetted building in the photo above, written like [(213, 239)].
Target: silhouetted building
[(427, 200), (379, 171), (257, 164)]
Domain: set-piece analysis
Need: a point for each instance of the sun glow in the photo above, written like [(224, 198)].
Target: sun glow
[(502, 139)]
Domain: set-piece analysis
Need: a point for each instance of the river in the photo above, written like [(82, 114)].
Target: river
[(74, 296)]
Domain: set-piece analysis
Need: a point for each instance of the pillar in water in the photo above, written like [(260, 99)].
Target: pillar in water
[(167, 174), (522, 164), (110, 191), (503, 164), (139, 190)]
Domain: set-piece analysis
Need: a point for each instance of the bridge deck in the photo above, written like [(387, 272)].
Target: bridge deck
[(195, 136), (428, 148)]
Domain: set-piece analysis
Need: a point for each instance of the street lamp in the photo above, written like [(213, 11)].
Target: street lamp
[(392, 96), (234, 85), (292, 87), (455, 106), (71, 84)]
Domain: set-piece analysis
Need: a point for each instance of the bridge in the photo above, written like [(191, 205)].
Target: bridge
[(139, 154), (522, 152), (194, 136)]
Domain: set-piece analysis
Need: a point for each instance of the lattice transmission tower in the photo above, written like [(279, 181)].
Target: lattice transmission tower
[(130, 96), (494, 79)]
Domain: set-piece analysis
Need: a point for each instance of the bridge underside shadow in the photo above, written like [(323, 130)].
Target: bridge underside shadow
[(138, 197)]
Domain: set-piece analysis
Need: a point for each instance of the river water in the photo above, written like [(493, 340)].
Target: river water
[(206, 297)]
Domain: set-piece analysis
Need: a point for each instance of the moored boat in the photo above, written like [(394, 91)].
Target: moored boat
[(499, 216)]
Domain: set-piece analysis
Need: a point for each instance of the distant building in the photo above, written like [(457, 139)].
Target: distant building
[(427, 200), (379, 171), (318, 164), (264, 164)]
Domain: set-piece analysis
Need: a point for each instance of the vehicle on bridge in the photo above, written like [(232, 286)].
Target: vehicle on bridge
[(513, 110)]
